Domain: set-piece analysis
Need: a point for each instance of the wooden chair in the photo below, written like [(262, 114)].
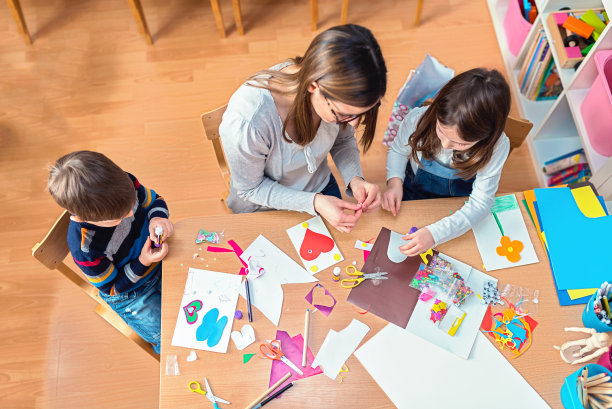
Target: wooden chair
[(344, 12), (211, 121), (19, 20), (51, 252)]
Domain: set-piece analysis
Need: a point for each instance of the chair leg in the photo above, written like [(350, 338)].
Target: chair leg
[(344, 13), (218, 17), (138, 12), (18, 16), (112, 318), (417, 19), (314, 14), (238, 16)]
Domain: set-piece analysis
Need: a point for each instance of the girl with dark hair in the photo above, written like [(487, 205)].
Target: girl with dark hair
[(454, 147), (279, 127)]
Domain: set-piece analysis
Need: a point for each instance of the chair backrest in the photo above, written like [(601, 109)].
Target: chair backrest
[(211, 121), (51, 252), (516, 130)]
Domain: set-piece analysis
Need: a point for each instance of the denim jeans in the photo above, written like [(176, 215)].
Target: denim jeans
[(332, 188), (141, 309), (432, 181)]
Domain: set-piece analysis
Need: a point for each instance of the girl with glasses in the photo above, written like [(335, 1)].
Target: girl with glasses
[(454, 147), (281, 124)]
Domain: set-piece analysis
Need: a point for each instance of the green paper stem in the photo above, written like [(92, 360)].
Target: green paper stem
[(498, 224)]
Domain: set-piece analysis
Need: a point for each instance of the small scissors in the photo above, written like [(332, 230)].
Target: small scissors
[(359, 277), (195, 387), (272, 351)]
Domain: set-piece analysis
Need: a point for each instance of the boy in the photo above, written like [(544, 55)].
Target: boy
[(112, 236)]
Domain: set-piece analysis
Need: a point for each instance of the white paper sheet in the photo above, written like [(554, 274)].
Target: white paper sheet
[(461, 343), (338, 346), (488, 238), (266, 291), (394, 353), (318, 253), (215, 291)]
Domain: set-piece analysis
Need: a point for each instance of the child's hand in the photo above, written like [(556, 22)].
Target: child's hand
[(166, 226), (332, 209), (420, 241), (150, 254), (392, 198), (366, 193)]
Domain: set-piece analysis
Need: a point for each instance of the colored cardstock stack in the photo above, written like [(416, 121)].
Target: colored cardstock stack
[(572, 223)]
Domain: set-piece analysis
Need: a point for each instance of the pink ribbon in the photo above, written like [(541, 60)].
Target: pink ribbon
[(235, 248)]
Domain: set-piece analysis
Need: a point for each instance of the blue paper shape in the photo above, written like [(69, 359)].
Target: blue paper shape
[(211, 329), (573, 239)]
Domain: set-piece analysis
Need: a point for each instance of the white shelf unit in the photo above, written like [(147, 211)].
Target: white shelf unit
[(558, 125)]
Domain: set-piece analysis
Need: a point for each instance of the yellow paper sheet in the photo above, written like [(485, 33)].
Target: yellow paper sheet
[(587, 202)]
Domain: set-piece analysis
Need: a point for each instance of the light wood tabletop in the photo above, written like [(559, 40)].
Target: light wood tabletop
[(241, 383)]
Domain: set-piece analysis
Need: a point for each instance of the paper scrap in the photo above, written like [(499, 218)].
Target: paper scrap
[(475, 382), (244, 337), (247, 357), (338, 346), (292, 349), (325, 309), (266, 291), (192, 356), (315, 245), (362, 245)]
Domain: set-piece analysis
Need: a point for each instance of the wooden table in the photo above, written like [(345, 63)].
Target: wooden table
[(240, 383)]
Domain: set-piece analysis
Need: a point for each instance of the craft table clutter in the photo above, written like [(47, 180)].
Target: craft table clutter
[(394, 340)]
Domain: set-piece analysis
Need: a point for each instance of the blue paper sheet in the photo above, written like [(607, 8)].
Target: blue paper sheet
[(573, 239)]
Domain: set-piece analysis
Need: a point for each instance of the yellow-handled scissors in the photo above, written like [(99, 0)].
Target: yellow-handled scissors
[(359, 276), (195, 387)]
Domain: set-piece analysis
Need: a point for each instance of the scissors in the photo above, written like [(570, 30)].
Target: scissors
[(359, 277), (195, 387), (272, 351)]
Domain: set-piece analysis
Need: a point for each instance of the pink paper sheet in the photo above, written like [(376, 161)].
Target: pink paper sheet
[(292, 348)]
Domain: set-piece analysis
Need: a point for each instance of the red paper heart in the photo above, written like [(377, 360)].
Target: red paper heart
[(314, 244)]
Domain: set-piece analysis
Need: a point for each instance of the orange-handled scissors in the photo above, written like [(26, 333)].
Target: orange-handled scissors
[(272, 351), (359, 276)]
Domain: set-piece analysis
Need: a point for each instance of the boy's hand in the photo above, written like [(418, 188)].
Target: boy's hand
[(150, 255), (332, 209), (392, 198), (420, 241), (366, 193), (166, 226)]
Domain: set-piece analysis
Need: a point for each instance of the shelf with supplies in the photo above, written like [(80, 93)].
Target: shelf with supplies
[(560, 124)]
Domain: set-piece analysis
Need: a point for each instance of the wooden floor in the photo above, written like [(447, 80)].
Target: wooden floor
[(89, 81)]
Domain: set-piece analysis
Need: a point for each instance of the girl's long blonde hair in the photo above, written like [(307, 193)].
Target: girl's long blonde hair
[(477, 102), (347, 64)]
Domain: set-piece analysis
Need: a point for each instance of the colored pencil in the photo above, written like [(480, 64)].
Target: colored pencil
[(268, 391), (305, 347)]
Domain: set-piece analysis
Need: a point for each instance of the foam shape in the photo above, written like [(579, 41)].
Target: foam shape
[(560, 18), (573, 52)]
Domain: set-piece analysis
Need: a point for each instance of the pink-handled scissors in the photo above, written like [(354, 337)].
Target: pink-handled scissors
[(272, 351)]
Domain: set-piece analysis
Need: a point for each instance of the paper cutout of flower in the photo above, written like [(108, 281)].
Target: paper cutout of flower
[(510, 248)]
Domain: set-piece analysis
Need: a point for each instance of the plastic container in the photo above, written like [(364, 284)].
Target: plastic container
[(569, 395), (596, 108), (590, 320), (515, 27), (606, 359)]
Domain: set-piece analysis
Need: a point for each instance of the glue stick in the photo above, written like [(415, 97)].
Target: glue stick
[(336, 276)]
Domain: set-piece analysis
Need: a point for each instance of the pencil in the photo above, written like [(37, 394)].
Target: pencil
[(305, 347), (267, 392), (498, 224), (274, 395), (248, 297)]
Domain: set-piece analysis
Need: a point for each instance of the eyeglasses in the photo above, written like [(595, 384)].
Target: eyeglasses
[(342, 118)]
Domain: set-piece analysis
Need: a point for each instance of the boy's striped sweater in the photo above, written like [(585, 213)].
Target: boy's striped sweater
[(109, 255)]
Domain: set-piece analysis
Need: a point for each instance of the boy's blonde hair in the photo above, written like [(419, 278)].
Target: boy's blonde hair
[(91, 186)]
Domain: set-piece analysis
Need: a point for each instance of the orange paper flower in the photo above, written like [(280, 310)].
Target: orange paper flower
[(510, 248)]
